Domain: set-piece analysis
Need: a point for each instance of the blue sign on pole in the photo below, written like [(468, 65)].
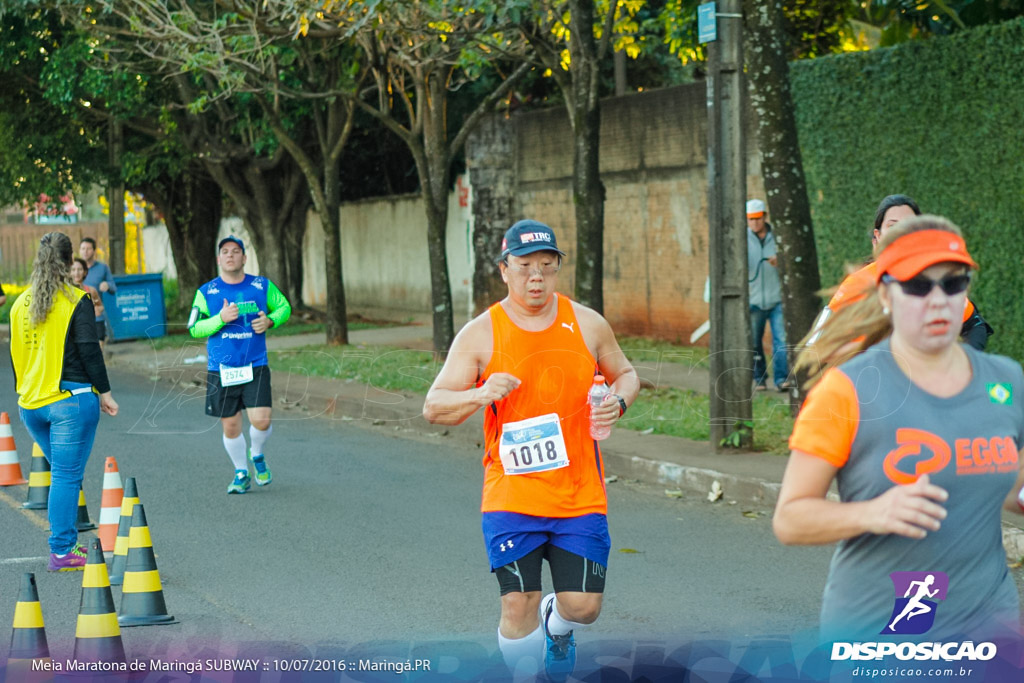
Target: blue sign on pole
[(707, 28)]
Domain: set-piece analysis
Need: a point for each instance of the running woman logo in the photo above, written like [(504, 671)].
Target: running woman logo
[(911, 443), (917, 594)]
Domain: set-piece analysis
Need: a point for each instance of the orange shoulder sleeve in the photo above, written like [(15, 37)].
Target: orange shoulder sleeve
[(968, 310), (854, 287), (827, 423)]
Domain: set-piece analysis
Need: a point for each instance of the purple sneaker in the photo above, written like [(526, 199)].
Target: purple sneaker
[(74, 560)]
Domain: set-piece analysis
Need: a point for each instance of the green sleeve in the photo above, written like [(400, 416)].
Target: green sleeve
[(280, 309), (200, 323)]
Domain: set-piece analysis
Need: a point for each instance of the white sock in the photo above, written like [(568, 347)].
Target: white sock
[(236, 451), (523, 656), (559, 625), (258, 438)]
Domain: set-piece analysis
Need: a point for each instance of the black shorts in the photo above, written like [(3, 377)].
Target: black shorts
[(569, 572), (227, 401), (101, 329)]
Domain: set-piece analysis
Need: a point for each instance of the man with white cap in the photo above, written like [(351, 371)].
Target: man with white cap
[(765, 298)]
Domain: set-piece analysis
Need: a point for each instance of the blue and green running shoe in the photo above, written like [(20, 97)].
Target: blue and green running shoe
[(263, 475), (241, 482), (559, 650)]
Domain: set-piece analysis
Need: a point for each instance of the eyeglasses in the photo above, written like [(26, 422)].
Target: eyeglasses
[(546, 270), (922, 286)]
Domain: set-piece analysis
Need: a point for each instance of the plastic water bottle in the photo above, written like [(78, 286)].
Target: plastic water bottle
[(597, 393), (1020, 496)]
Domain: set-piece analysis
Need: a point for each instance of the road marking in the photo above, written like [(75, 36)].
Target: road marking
[(23, 560), (35, 519)]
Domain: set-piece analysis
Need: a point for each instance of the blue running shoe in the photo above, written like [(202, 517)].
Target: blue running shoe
[(559, 651), (241, 482), (262, 474)]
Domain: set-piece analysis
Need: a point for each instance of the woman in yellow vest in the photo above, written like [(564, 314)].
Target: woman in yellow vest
[(62, 385)]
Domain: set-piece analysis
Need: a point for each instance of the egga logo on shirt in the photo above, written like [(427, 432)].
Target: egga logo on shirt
[(920, 452), (913, 443), (917, 596)]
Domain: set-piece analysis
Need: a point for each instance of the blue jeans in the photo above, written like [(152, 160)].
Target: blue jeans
[(65, 431), (773, 317)]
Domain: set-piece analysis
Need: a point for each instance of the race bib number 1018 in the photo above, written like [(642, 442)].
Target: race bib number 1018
[(534, 445)]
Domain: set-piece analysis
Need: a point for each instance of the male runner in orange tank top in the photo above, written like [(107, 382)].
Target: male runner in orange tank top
[(530, 361)]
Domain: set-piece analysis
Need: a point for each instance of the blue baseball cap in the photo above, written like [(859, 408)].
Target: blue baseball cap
[(231, 238), (526, 237)]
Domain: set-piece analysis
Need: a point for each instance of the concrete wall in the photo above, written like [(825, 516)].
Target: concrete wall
[(384, 257), (159, 258), (654, 166)]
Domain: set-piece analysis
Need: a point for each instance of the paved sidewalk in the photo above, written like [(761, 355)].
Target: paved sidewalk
[(686, 468)]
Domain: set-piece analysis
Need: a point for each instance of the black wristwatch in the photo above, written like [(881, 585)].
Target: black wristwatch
[(622, 405)]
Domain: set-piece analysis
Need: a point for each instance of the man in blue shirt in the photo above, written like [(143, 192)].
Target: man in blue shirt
[(99, 276), (234, 312)]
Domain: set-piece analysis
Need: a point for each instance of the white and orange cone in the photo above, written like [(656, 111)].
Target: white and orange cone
[(110, 504), (10, 466)]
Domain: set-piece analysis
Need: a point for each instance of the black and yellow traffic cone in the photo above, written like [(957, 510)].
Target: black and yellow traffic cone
[(38, 480), (97, 636), (28, 641), (128, 503), (142, 596), (84, 523)]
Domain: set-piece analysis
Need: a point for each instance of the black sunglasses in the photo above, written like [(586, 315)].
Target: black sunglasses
[(922, 286)]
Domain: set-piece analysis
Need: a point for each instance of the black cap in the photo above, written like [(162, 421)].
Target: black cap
[(526, 237), (231, 238)]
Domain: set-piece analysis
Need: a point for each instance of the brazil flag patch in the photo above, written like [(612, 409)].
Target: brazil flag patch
[(1000, 392)]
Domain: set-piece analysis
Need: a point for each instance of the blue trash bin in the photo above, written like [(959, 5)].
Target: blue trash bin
[(137, 310)]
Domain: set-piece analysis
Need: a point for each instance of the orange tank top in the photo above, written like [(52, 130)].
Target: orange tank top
[(556, 370)]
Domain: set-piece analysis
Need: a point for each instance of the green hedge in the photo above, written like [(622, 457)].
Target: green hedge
[(941, 120)]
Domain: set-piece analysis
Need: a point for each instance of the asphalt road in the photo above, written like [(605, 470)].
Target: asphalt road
[(369, 540)]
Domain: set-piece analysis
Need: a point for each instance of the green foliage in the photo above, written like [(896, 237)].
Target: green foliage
[(933, 119), (741, 432), (47, 149)]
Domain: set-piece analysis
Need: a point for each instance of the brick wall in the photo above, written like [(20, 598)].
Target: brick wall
[(653, 164)]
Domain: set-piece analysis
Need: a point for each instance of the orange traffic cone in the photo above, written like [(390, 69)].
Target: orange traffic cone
[(124, 526), (142, 596), (10, 467), (83, 523), (97, 636), (38, 480), (110, 505), (28, 641)]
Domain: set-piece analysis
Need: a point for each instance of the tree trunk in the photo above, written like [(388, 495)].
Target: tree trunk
[(490, 157), (336, 325), (191, 206), (588, 199), (782, 168), (587, 189), (115, 195), (435, 173), (294, 238)]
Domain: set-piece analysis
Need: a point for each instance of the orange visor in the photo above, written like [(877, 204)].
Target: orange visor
[(912, 253)]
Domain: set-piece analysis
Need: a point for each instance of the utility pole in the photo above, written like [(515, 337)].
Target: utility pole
[(115, 197), (731, 410)]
